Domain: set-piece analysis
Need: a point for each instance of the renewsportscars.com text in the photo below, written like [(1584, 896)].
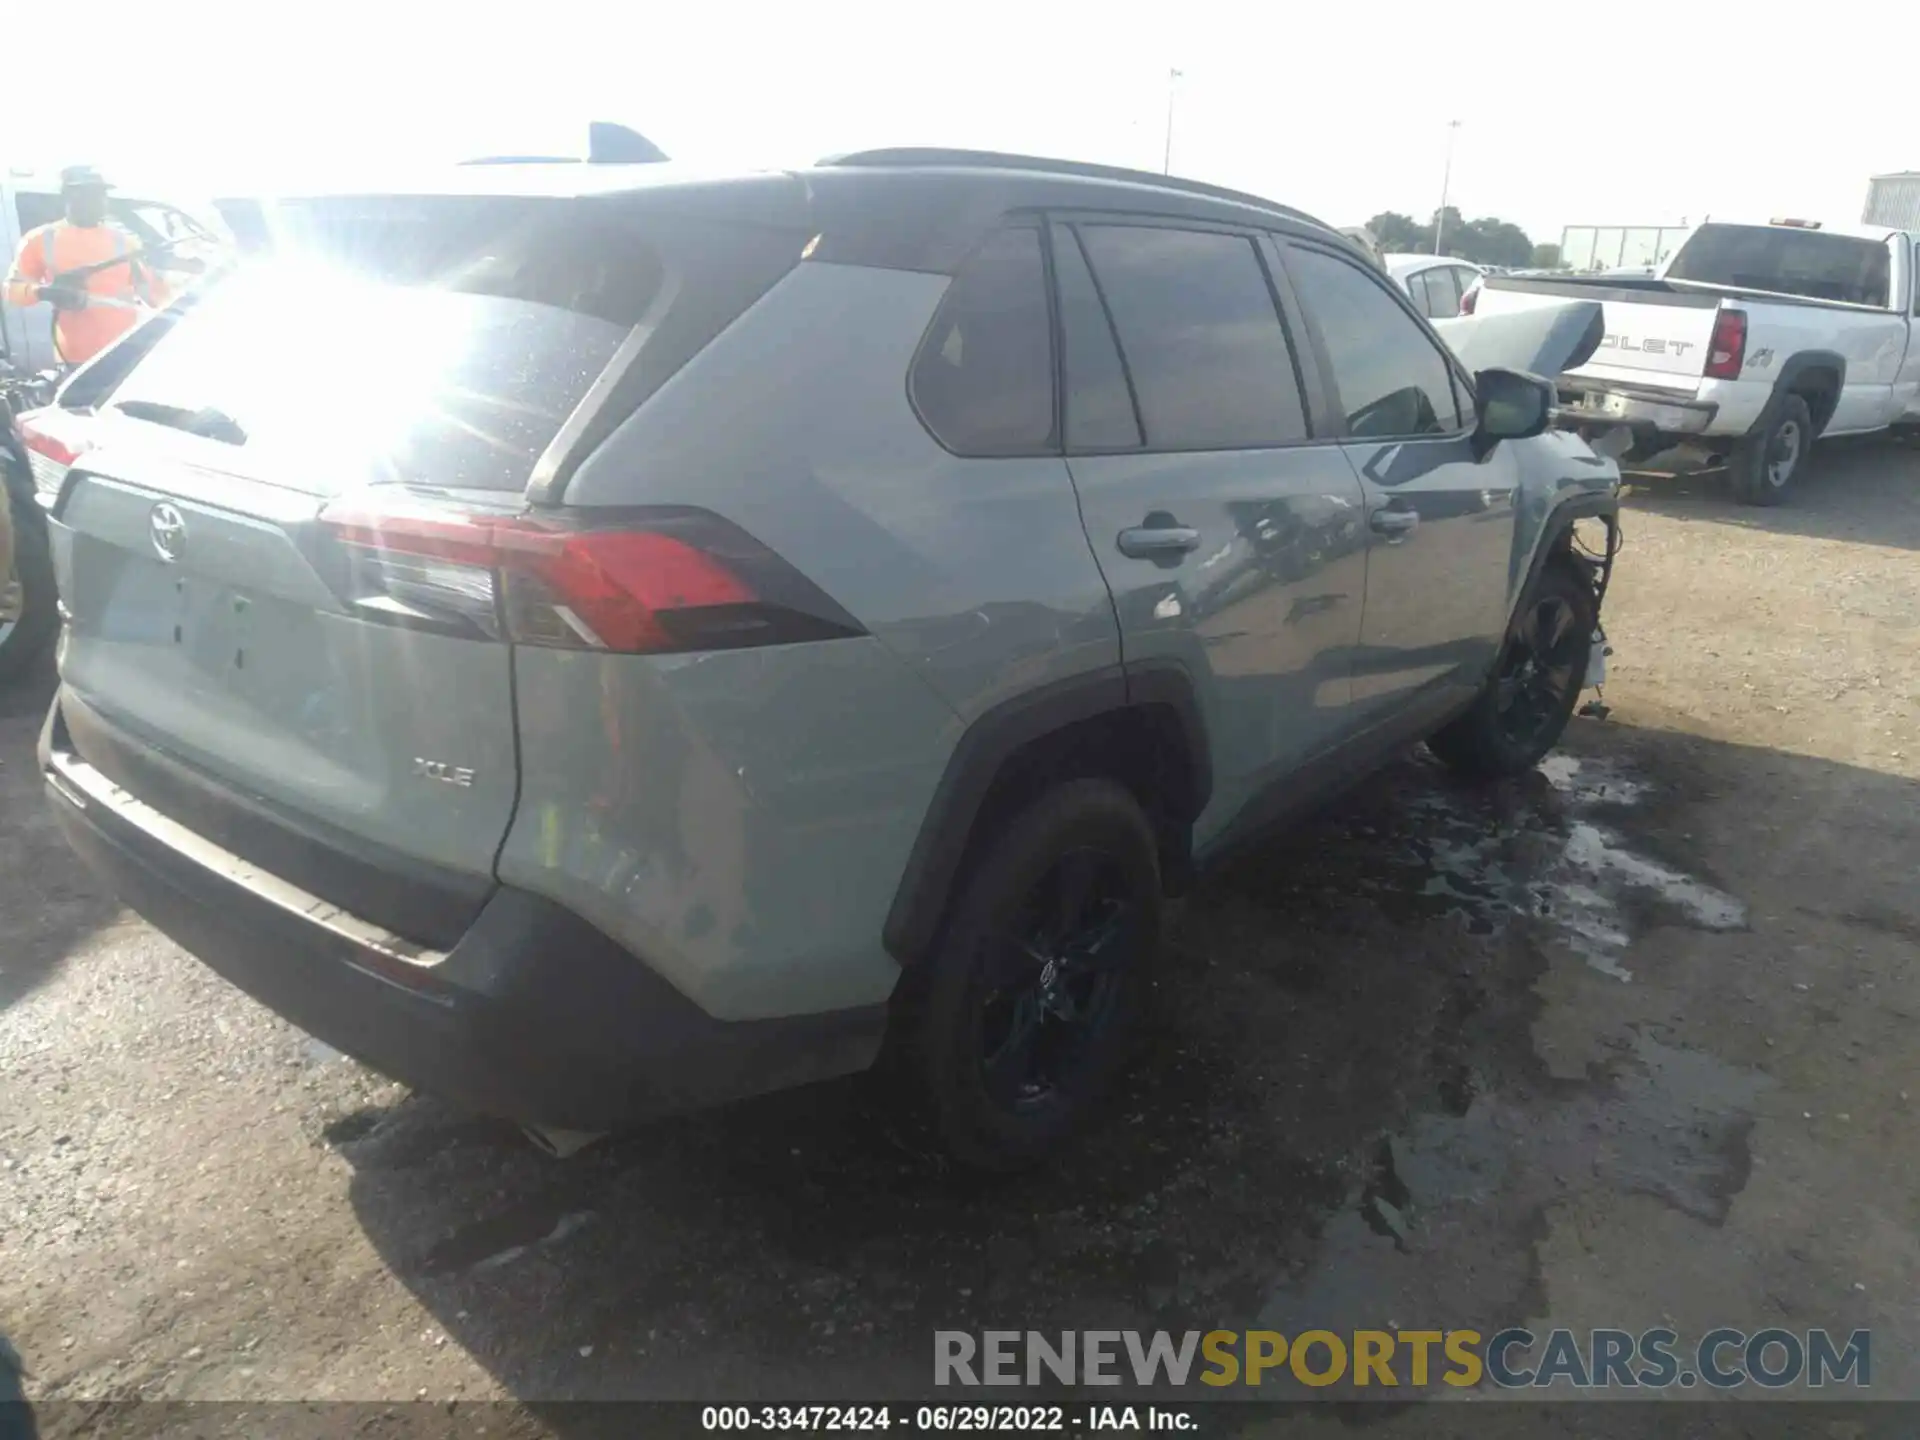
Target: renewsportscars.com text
[(1657, 1359)]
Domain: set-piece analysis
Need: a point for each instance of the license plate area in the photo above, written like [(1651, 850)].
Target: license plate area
[(208, 629)]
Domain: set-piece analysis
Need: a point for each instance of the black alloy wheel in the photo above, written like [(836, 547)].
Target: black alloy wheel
[(1024, 1014), (1050, 983), (1543, 667)]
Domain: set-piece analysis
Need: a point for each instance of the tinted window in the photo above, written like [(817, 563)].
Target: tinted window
[(376, 381), (1788, 262), (983, 380), (36, 210), (1445, 286), (1417, 288), (1391, 377), (1202, 340), (1099, 404)]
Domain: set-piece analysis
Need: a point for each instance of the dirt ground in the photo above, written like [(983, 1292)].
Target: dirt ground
[(1630, 1042)]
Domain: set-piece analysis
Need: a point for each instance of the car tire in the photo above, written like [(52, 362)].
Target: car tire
[(1032, 995), (1524, 707), (1765, 464), (23, 639)]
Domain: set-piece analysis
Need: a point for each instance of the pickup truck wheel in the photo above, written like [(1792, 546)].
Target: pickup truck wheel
[(1039, 976), (1766, 462), (1526, 702)]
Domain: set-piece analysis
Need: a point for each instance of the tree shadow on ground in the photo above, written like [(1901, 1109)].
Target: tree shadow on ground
[(1865, 490)]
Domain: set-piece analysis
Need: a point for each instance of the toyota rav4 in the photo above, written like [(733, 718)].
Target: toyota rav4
[(731, 623)]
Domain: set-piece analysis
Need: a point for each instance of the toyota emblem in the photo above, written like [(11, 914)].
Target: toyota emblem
[(168, 527)]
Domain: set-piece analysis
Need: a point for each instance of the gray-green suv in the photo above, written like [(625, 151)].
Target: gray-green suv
[(730, 623)]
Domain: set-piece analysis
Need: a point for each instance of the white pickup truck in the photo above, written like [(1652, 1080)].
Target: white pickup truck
[(1751, 342)]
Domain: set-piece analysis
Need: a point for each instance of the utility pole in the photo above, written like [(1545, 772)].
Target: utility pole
[(1446, 182), (1166, 157)]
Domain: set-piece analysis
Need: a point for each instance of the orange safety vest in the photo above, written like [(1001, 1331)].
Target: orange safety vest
[(49, 251)]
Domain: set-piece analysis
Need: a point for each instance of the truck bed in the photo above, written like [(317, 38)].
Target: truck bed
[(1647, 290)]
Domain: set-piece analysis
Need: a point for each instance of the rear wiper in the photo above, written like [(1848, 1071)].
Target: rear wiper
[(208, 423)]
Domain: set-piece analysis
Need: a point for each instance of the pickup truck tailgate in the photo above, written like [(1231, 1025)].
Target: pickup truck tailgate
[(1659, 342)]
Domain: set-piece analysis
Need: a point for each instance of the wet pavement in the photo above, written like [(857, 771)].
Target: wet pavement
[(1623, 1043)]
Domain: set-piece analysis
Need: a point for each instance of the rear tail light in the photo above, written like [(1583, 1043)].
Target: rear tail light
[(650, 582), (54, 447), (1727, 350), (1470, 299)]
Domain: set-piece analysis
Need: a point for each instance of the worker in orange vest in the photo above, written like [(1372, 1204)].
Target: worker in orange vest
[(71, 265)]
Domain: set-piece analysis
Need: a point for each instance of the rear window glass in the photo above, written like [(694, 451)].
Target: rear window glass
[(440, 344), (1809, 263), (329, 381)]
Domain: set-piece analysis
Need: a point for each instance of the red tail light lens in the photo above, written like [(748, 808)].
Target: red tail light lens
[(1727, 350), (610, 589), (1470, 299), (54, 447), (657, 581)]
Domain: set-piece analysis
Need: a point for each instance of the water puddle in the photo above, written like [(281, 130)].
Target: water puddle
[(1438, 1231), (1561, 864)]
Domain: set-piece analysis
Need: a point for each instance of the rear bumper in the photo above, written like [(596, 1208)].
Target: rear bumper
[(533, 1015), (1651, 410)]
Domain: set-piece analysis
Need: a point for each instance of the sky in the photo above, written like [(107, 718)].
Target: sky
[(1635, 114)]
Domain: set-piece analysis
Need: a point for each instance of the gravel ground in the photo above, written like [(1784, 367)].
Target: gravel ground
[(1631, 1041)]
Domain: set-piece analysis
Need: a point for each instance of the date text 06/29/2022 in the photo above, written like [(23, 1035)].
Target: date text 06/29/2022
[(939, 1419)]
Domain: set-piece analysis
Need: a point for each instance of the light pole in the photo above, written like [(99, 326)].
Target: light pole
[(1166, 157), (1446, 181)]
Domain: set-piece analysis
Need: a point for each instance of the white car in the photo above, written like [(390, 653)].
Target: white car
[(1436, 282)]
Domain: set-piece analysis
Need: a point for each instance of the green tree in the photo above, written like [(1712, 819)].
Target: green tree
[(1487, 241), (1400, 233), (1546, 257)]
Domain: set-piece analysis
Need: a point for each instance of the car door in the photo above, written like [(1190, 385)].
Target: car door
[(1440, 519), (1228, 524)]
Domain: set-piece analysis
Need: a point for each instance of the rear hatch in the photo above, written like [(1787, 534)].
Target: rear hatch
[(243, 650)]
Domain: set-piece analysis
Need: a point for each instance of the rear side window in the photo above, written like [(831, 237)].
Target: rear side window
[(1809, 263), (983, 380), (1100, 413), (1443, 293), (1417, 288), (1209, 358), (1392, 378)]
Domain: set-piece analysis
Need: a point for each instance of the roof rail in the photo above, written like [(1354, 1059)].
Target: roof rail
[(910, 156)]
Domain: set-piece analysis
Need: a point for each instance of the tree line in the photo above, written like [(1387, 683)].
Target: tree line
[(1487, 241)]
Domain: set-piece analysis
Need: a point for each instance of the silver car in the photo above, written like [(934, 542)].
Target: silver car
[(737, 627)]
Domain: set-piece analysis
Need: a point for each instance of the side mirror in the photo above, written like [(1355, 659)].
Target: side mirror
[(1512, 406)]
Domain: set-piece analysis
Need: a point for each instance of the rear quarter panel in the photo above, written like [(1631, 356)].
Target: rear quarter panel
[(1872, 343), (742, 819)]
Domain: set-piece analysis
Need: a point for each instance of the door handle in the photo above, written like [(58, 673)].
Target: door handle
[(1394, 522), (1153, 542)]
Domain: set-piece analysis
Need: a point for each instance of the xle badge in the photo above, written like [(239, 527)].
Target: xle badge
[(446, 774)]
